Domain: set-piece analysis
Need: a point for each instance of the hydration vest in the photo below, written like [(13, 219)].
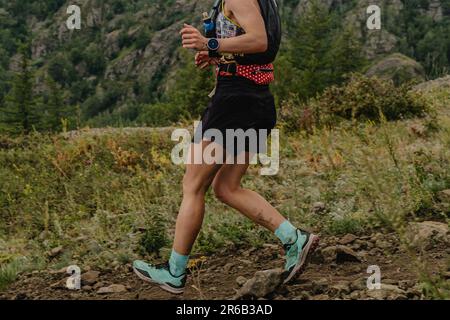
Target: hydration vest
[(272, 21)]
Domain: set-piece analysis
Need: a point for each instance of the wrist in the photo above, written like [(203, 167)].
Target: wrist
[(213, 46)]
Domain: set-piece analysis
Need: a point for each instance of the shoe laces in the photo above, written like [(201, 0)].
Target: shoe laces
[(166, 266), (288, 247)]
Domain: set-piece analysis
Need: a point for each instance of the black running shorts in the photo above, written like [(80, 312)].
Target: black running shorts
[(240, 104)]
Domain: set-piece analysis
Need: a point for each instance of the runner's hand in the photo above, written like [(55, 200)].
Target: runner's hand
[(202, 60), (192, 38)]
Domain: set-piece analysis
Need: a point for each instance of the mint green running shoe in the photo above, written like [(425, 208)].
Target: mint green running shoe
[(160, 275), (298, 252)]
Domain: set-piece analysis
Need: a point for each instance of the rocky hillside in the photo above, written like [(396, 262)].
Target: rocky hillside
[(336, 272), (127, 51), (378, 194)]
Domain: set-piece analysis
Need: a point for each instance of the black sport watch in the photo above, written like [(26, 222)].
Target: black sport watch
[(213, 47)]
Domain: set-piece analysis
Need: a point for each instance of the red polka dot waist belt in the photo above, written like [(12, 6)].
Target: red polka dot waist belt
[(260, 74)]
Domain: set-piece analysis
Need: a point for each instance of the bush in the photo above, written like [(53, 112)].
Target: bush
[(61, 70), (155, 237), (360, 99), (160, 114), (8, 273), (363, 98), (142, 39)]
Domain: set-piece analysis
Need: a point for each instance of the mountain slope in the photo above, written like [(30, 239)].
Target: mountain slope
[(127, 51)]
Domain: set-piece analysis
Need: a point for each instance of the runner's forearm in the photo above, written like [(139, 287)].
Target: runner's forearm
[(246, 43)]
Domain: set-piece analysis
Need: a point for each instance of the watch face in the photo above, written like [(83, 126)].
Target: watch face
[(213, 44)]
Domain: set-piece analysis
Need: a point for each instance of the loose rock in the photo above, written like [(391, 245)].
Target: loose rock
[(263, 283), (387, 292), (89, 278), (319, 286), (318, 207), (56, 252), (114, 288), (347, 239), (444, 196), (340, 289), (340, 254), (228, 267), (241, 281), (426, 234)]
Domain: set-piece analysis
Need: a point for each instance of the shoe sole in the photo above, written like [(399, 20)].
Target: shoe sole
[(162, 286), (310, 247)]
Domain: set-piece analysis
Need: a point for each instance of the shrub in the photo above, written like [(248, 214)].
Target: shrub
[(359, 99), (363, 98), (8, 273), (344, 226), (160, 114), (155, 237)]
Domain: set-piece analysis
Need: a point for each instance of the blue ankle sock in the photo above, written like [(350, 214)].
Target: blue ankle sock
[(286, 232), (178, 263)]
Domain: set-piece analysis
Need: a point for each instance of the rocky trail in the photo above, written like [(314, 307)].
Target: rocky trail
[(337, 270)]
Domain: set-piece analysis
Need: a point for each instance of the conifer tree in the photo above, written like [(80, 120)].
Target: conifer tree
[(57, 111), (19, 112)]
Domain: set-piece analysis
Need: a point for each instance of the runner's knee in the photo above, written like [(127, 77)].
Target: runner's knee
[(194, 185), (223, 191)]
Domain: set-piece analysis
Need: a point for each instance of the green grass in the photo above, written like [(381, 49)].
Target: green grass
[(95, 194), (8, 273)]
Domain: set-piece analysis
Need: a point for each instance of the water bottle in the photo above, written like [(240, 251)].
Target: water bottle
[(208, 25)]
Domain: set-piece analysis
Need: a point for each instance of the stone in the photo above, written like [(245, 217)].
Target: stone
[(444, 196), (263, 283), (428, 233), (340, 254), (99, 285), (56, 252), (355, 295), (319, 286), (61, 284), (358, 284), (340, 289), (228, 267), (90, 277), (318, 207), (114, 288), (44, 235), (347, 239), (304, 295), (405, 284), (440, 83), (398, 68), (245, 261), (387, 292), (59, 271), (383, 244), (241, 281), (20, 296)]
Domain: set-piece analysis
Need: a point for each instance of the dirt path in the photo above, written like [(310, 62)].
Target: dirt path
[(328, 276)]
